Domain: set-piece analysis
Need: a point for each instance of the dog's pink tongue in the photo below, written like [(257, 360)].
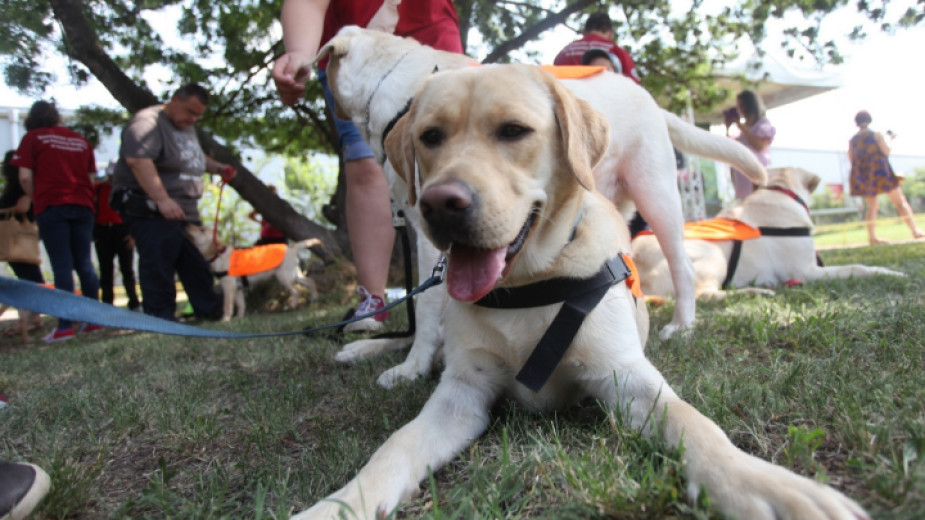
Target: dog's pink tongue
[(472, 273)]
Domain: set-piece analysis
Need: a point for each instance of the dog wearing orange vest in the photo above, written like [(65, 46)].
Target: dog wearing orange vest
[(235, 267), (773, 229)]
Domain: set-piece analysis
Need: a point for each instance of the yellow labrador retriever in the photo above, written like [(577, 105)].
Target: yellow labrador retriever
[(785, 250), (373, 75), (505, 187)]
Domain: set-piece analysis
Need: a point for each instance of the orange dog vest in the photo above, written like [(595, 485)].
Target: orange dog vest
[(253, 260)]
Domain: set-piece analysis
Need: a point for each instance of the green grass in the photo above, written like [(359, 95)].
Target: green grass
[(855, 232), (824, 378)]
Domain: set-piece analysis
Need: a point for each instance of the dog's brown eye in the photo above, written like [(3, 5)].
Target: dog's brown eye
[(513, 131), (431, 137)]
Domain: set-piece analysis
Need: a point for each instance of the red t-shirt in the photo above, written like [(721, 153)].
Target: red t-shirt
[(431, 22), (104, 212), (571, 54), (61, 161)]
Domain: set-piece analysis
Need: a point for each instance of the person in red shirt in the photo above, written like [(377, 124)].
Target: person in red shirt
[(598, 34), (307, 25), (55, 164), (112, 240)]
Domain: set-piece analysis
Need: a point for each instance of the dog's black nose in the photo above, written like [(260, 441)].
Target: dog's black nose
[(446, 208)]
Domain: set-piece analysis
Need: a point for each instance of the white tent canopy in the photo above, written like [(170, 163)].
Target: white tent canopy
[(777, 80)]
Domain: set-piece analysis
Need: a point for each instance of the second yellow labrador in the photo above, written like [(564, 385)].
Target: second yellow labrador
[(504, 185), (785, 250)]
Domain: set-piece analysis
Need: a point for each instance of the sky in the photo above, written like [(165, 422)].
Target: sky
[(883, 75)]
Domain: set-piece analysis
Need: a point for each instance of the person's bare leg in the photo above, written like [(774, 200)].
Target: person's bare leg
[(870, 217), (905, 211), (369, 223)]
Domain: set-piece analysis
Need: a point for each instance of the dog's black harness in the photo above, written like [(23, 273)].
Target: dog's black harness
[(578, 297), (768, 232)]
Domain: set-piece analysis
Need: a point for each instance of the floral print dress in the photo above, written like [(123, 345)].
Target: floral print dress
[(871, 173)]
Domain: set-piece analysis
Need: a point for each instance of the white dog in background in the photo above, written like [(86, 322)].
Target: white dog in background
[(288, 273), (505, 187), (768, 260), (373, 76)]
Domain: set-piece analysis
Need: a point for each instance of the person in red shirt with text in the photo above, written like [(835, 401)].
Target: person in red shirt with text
[(307, 25), (55, 164), (598, 34)]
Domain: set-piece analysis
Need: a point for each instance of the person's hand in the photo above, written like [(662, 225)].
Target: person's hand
[(228, 172), (22, 205), (290, 73), (128, 242), (170, 210)]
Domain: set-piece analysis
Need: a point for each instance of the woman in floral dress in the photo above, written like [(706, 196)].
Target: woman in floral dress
[(871, 175)]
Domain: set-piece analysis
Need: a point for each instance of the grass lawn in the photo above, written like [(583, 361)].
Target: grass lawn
[(824, 378), (855, 233)]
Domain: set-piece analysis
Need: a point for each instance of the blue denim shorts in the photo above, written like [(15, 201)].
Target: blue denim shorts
[(352, 145)]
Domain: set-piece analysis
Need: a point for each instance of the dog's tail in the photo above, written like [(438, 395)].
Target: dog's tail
[(696, 141)]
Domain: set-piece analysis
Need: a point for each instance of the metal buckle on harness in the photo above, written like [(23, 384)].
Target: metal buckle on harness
[(398, 216), (440, 269)]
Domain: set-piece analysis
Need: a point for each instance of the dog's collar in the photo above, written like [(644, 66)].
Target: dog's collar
[(578, 297), (392, 122), (790, 194), (369, 102), (217, 254)]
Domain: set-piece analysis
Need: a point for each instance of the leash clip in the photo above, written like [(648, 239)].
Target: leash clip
[(439, 269)]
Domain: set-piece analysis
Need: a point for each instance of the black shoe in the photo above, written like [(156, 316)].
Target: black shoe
[(22, 487)]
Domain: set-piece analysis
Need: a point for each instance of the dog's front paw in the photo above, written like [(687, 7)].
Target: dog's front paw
[(673, 328), (366, 348), (407, 371), (755, 489), (370, 503)]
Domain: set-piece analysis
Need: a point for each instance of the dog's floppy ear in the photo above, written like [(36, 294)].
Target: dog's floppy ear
[(585, 132), (810, 180), (399, 149)]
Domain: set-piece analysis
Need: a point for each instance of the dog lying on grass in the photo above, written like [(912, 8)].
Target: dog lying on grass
[(219, 256), (505, 187), (783, 252), (373, 76)]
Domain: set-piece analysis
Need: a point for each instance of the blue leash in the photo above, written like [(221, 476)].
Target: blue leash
[(62, 304)]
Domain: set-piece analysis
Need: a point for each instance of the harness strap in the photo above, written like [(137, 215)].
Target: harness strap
[(765, 232), (733, 262), (579, 298)]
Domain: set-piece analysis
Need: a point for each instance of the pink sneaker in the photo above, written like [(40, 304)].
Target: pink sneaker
[(371, 303), (59, 335)]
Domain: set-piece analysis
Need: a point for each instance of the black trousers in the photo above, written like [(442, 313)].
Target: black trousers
[(112, 241), (164, 253)]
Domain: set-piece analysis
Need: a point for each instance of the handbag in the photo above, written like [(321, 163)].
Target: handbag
[(19, 239)]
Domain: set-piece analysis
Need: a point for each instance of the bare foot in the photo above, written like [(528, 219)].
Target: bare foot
[(876, 241), (918, 233)]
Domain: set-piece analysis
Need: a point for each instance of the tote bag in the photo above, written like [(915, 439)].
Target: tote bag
[(19, 240)]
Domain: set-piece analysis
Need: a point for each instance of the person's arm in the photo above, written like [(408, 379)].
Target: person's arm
[(25, 180), (226, 171), (759, 143), (881, 142), (303, 23), (145, 173), (22, 205)]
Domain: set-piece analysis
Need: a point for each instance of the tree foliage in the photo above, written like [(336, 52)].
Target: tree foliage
[(142, 50)]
